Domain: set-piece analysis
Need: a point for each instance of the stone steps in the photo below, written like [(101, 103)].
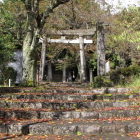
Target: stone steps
[(72, 90), (76, 104), (66, 96), (71, 127), (68, 110), (70, 114)]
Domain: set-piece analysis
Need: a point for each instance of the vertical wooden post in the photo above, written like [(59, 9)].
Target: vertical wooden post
[(10, 82), (82, 60), (100, 50), (91, 75), (43, 59), (107, 66), (37, 76), (49, 71), (64, 75)]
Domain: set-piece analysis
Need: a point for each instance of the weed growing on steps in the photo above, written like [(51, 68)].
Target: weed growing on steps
[(134, 84), (79, 133)]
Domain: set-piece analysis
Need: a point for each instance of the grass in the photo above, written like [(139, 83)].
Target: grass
[(133, 84), (6, 86)]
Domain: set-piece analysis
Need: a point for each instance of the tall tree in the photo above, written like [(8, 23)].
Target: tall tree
[(36, 19), (123, 42)]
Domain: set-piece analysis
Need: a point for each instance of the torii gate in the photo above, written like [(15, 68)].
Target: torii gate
[(99, 30)]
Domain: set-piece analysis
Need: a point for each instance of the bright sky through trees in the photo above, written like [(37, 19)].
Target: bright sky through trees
[(124, 3), (117, 5)]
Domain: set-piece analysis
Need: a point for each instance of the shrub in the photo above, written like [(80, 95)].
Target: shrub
[(6, 74), (101, 81), (124, 75)]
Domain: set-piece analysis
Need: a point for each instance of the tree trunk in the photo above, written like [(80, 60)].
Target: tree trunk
[(82, 60), (34, 25), (29, 54), (100, 50), (28, 63)]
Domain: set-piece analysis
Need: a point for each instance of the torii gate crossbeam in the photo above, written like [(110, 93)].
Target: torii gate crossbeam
[(81, 41)]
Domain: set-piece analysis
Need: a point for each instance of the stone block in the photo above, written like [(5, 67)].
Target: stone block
[(120, 104), (108, 129), (3, 128), (46, 115), (122, 129), (34, 105), (111, 90), (89, 115), (3, 104), (133, 128), (40, 129), (65, 130), (105, 114), (123, 90), (17, 129), (89, 129), (2, 113), (67, 115)]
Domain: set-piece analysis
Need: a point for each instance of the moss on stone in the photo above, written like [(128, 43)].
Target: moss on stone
[(108, 95), (128, 94)]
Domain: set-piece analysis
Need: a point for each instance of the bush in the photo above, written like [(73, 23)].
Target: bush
[(101, 81), (6, 74), (131, 70), (124, 75)]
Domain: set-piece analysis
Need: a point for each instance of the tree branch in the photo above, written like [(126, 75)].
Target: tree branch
[(50, 8), (36, 11)]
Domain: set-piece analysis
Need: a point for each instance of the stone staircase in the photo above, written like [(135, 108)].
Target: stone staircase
[(68, 111)]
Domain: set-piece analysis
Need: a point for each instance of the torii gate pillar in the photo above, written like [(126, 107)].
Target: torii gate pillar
[(43, 59), (82, 60)]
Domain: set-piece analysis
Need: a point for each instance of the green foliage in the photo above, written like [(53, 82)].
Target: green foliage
[(7, 42), (27, 84), (66, 59), (125, 75), (131, 70), (123, 41), (92, 62), (134, 83), (6, 74), (101, 81), (8, 26)]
